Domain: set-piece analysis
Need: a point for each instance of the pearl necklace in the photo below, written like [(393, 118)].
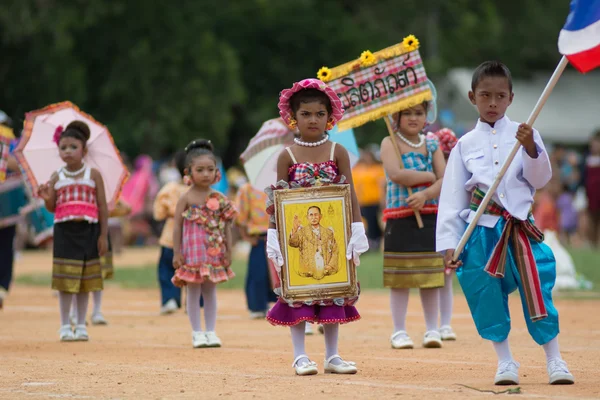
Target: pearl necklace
[(74, 173), (411, 144), (312, 144)]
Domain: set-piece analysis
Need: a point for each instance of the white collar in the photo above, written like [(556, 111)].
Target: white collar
[(501, 124)]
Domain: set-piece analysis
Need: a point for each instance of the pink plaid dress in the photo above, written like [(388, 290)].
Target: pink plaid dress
[(204, 243)]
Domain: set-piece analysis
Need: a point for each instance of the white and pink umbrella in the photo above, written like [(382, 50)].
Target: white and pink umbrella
[(38, 154)]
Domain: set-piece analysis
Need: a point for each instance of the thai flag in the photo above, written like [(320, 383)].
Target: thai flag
[(579, 39)]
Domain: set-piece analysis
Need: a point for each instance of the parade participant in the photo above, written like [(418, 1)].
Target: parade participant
[(506, 250), (313, 108), (75, 193), (202, 242)]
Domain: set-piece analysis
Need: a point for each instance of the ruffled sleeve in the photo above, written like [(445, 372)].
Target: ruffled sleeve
[(228, 209), (432, 143)]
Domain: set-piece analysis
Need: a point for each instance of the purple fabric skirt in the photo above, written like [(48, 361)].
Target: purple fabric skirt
[(283, 314)]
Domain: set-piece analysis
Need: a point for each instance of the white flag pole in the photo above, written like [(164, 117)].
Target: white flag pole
[(532, 117)]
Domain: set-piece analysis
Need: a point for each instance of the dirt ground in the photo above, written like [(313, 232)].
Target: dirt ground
[(141, 355)]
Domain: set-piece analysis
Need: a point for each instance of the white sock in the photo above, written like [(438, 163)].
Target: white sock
[(331, 342), (73, 313), (97, 302), (430, 300), (82, 305), (399, 308), (64, 304), (446, 301), (194, 291), (503, 351), (552, 350), (297, 332), (209, 293)]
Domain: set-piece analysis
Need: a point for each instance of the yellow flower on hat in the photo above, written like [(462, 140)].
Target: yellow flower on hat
[(367, 58), (324, 74), (410, 43)]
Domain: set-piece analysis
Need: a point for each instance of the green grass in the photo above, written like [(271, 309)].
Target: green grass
[(586, 261)]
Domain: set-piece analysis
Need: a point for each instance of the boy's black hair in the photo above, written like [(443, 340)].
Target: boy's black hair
[(179, 159), (197, 148), (489, 69), (309, 96)]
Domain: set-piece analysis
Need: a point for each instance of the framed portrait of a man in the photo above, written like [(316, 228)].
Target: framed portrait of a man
[(314, 227)]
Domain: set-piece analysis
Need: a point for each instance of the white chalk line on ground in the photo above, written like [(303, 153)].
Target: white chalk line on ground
[(323, 379)]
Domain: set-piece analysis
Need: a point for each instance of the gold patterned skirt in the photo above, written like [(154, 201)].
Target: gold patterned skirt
[(76, 264), (410, 259)]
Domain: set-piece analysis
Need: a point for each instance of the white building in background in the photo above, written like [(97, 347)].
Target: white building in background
[(571, 114)]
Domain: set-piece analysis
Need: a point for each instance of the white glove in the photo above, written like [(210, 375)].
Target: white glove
[(358, 243), (274, 249)]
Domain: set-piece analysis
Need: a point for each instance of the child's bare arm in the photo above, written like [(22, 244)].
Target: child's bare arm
[(399, 175), (178, 230)]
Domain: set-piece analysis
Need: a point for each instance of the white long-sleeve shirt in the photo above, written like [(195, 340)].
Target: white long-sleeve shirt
[(475, 162)]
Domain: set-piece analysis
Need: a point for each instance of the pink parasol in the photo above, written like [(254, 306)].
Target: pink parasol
[(260, 157), (38, 154)]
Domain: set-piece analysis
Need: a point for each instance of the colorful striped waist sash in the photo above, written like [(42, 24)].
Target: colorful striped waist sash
[(519, 232)]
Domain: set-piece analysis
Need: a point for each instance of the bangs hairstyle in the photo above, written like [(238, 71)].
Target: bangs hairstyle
[(310, 96), (491, 69), (425, 105), (77, 130), (197, 148)]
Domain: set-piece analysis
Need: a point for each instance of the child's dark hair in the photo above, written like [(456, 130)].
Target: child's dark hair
[(489, 69), (77, 130), (197, 148), (179, 159), (309, 96)]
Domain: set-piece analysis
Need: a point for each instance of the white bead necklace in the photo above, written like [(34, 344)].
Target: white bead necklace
[(312, 144), (74, 173), (411, 144)]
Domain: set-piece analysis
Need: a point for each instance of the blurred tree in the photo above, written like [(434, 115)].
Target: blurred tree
[(160, 74)]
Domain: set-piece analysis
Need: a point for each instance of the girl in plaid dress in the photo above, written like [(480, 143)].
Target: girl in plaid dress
[(313, 108), (75, 194), (202, 240), (410, 259)]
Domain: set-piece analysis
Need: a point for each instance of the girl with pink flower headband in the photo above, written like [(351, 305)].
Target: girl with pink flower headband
[(202, 240), (75, 194), (313, 108)]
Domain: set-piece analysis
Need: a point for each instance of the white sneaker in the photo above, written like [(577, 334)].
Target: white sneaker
[(199, 340), (447, 333), (98, 319), (212, 339), (508, 373), (66, 333), (169, 308), (306, 368), (401, 340), (81, 333), (432, 340), (559, 373), (308, 330)]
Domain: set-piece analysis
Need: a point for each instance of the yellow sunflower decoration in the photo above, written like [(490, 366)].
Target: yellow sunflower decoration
[(324, 74), (367, 58), (410, 43)]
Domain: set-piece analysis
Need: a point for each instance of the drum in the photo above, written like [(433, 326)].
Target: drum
[(40, 222), (12, 198)]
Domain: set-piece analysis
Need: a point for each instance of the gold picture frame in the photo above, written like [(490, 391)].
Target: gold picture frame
[(314, 226)]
